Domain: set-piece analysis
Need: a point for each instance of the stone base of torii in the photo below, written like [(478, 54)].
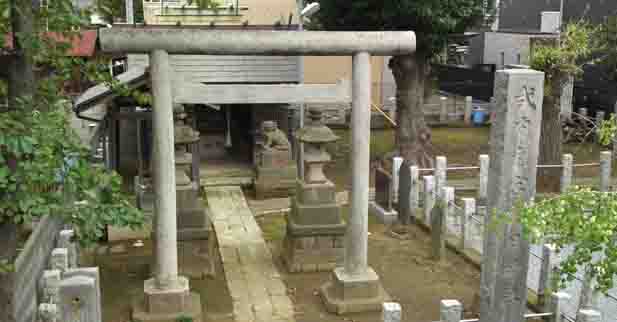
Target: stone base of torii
[(355, 287)]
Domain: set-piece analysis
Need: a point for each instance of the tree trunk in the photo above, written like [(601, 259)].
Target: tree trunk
[(413, 137), (8, 250), (21, 83), (551, 137)]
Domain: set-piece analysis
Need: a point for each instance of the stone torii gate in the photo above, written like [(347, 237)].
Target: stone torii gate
[(356, 286)]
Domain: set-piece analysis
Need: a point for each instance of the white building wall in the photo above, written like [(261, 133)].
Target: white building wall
[(501, 48)]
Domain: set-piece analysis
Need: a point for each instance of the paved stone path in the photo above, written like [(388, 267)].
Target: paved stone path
[(255, 285)]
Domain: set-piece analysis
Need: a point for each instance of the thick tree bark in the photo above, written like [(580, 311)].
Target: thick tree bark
[(413, 137), (551, 137), (21, 82)]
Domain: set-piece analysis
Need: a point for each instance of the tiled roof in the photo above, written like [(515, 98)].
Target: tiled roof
[(83, 45)]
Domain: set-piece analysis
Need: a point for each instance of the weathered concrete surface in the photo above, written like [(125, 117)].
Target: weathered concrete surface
[(355, 287), (164, 171), (255, 285), (357, 226), (515, 138), (30, 265), (315, 229), (230, 42)]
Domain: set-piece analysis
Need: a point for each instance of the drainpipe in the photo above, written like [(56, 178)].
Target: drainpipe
[(79, 116)]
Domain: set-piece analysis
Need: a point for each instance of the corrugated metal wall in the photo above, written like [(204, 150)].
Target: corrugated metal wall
[(229, 69)]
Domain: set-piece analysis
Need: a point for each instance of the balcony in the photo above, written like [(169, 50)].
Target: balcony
[(229, 12)]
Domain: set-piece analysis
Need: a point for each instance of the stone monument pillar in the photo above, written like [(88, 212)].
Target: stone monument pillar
[(356, 287), (315, 228), (192, 218), (515, 142), (276, 171)]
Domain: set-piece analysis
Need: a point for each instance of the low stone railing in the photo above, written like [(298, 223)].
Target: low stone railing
[(48, 284)]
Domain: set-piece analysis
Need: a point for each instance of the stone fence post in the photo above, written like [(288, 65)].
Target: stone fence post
[(65, 240), (469, 209), (48, 286), (414, 193), (468, 108), (396, 167), (450, 311), (550, 260), (439, 222), (78, 300), (93, 273), (567, 172), (483, 189), (605, 171), (391, 312), (588, 316), (429, 197), (557, 305), (441, 168), (60, 259), (47, 312), (443, 109)]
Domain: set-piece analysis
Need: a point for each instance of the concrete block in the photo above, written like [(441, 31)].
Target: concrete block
[(384, 216), (159, 301), (60, 259), (78, 300), (450, 311), (65, 240), (48, 312), (353, 294), (391, 312), (588, 316), (48, 286), (91, 272)]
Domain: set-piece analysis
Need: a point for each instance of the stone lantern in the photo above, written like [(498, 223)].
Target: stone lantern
[(192, 217), (315, 136), (315, 229), (184, 137)]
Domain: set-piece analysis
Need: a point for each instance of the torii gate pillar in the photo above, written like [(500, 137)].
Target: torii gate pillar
[(355, 287)]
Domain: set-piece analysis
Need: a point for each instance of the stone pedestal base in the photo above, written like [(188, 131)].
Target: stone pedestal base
[(313, 253), (384, 216), (193, 219), (275, 182), (167, 305), (315, 229), (353, 294)]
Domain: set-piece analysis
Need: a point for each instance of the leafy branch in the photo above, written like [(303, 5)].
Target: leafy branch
[(42, 160), (583, 222)]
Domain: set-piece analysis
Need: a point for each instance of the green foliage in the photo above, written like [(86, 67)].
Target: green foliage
[(185, 319), (110, 9), (432, 20), (205, 4), (583, 220), (576, 44), (42, 160), (607, 130)]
